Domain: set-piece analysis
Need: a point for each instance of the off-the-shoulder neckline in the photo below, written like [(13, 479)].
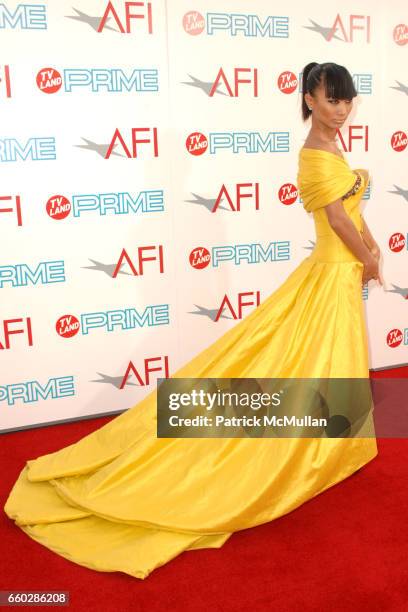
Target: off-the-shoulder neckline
[(323, 151)]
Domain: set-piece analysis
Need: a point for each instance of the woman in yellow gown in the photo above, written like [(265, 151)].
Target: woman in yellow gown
[(121, 499)]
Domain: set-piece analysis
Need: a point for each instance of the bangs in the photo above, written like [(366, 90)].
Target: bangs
[(338, 82)]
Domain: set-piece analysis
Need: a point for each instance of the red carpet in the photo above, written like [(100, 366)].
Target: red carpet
[(343, 550)]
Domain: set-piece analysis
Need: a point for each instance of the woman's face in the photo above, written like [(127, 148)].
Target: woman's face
[(331, 112)]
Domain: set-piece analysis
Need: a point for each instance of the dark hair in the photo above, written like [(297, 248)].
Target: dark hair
[(336, 79)]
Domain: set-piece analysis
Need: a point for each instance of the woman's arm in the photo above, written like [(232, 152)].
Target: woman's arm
[(369, 240), (347, 231)]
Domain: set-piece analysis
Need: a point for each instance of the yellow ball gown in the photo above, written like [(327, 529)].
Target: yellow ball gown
[(121, 499)]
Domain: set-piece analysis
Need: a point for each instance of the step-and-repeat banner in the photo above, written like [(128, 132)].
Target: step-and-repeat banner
[(148, 197)]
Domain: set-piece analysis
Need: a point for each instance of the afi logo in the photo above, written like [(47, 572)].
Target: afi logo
[(354, 132), (14, 208), (226, 303), (144, 377), (134, 142), (127, 16), (234, 201), (137, 268), (236, 80), (8, 331), (347, 26)]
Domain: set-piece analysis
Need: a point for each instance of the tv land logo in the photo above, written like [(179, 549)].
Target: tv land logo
[(288, 194), (397, 242), (400, 34), (198, 143), (399, 141), (251, 253), (59, 207), (69, 325), (119, 17), (97, 80), (396, 337), (287, 82)]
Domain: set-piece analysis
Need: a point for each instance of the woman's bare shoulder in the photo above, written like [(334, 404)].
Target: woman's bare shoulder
[(314, 143)]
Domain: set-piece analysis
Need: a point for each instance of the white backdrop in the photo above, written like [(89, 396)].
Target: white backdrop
[(70, 327)]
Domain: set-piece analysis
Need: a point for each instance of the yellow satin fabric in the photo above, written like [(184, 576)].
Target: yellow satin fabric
[(324, 177), (121, 499)]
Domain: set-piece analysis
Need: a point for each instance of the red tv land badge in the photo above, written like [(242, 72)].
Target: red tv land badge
[(49, 80), (396, 242), (67, 326), (58, 207), (288, 193), (287, 82), (200, 258), (196, 143), (193, 23), (400, 34), (399, 141), (394, 338)]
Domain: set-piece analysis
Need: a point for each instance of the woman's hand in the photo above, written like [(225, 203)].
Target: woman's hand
[(375, 250), (371, 267), (370, 270)]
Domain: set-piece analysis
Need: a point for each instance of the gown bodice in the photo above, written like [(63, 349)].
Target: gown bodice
[(324, 177)]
